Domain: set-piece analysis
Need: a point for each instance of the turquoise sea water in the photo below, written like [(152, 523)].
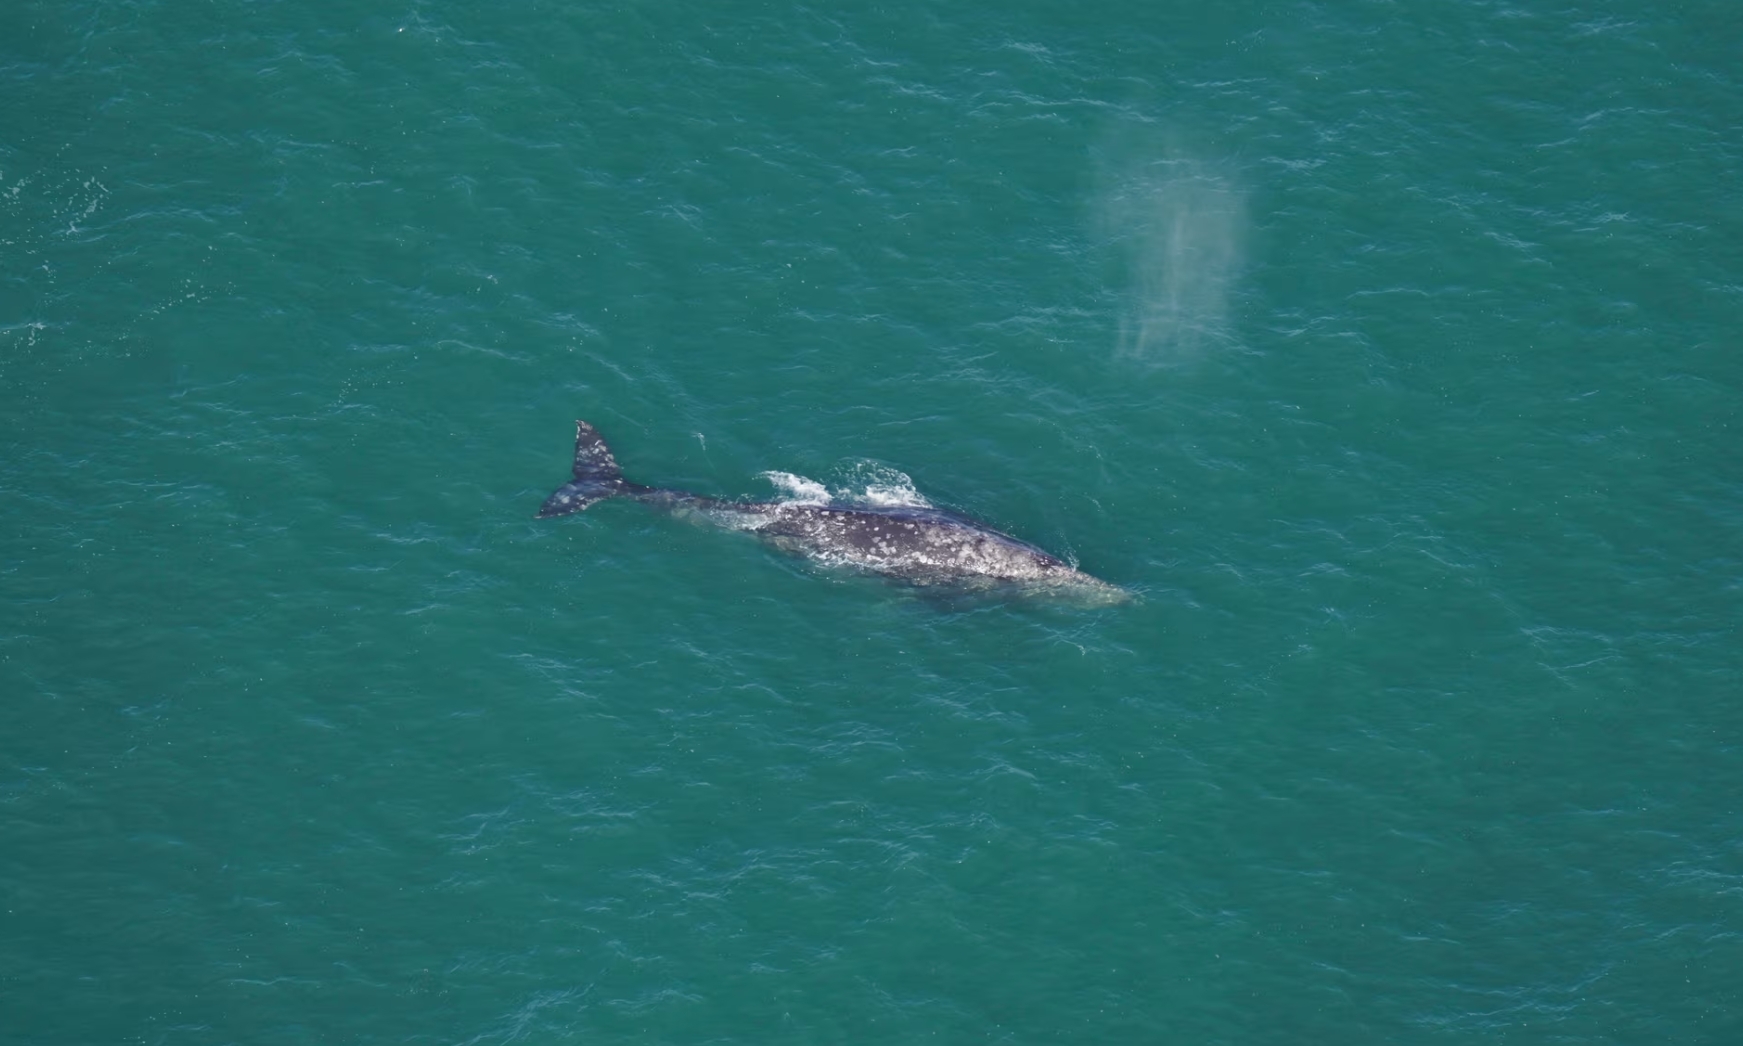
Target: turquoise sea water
[(1389, 351)]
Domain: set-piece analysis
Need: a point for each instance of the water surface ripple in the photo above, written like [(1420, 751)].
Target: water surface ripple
[(1389, 354)]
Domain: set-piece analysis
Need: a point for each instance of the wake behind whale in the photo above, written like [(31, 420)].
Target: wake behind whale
[(914, 543)]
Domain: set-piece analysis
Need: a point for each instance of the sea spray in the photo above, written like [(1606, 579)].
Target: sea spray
[(1178, 226)]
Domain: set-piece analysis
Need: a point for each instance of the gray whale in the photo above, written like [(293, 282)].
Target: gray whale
[(922, 545)]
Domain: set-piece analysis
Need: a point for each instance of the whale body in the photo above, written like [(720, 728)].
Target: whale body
[(917, 544)]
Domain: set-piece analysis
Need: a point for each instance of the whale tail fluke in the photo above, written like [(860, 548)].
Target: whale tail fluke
[(593, 460), (597, 476)]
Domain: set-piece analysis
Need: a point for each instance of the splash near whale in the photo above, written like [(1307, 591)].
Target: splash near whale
[(911, 542)]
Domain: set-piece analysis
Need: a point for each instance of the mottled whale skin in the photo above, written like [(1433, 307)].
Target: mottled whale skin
[(922, 545)]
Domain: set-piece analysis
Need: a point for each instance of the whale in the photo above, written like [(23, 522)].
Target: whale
[(919, 545)]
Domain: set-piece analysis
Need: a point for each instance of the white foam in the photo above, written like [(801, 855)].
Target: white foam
[(865, 483), (869, 483), (894, 496), (804, 491)]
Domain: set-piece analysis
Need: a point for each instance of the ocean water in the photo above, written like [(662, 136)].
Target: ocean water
[(1389, 351)]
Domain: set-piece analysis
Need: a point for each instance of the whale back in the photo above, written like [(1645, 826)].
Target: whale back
[(906, 541)]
